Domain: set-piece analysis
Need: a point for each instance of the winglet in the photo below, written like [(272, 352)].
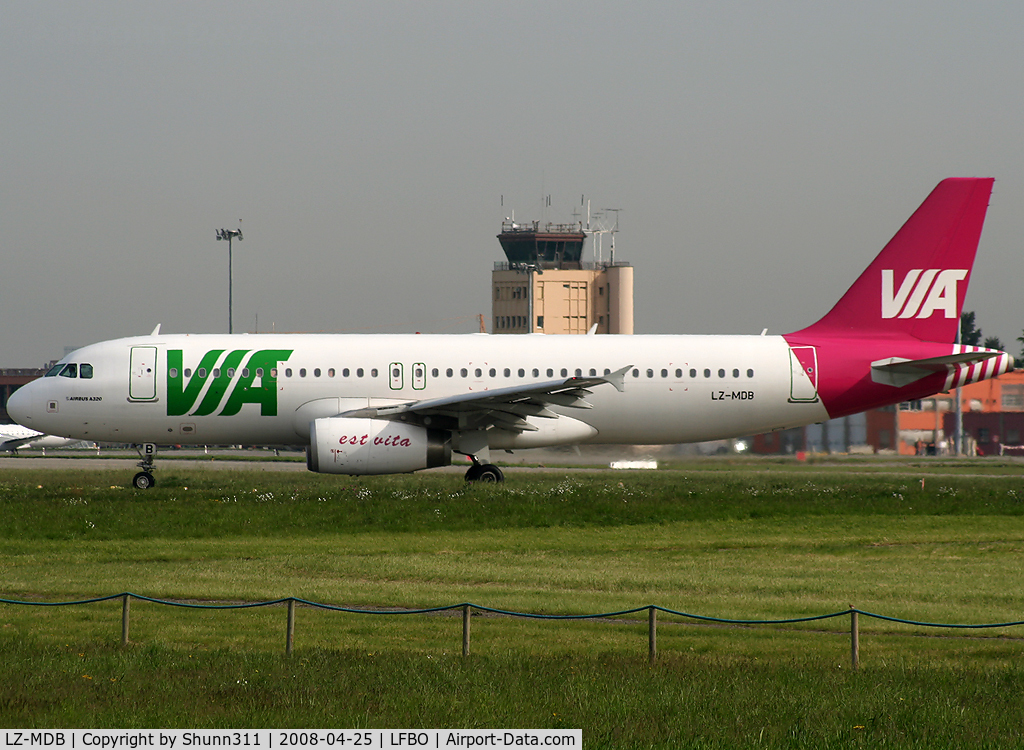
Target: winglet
[(618, 378), (156, 331)]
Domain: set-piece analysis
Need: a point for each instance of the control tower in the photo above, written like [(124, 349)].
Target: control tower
[(545, 286)]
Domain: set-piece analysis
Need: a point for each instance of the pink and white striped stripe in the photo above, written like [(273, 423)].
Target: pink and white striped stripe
[(989, 367)]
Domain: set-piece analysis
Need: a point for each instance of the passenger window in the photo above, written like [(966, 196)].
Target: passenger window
[(522, 372), (664, 373), (302, 372), (735, 373), (359, 372), (448, 373), (478, 372), (85, 371), (693, 373), (579, 373), (707, 373), (650, 373), (259, 372), (536, 372), (330, 372), (216, 372), (565, 373), (492, 372), (750, 373), (636, 373), (434, 373), (593, 372), (373, 372), (345, 372), (245, 372), (201, 372), (551, 373), (464, 372), (679, 373), (188, 372), (721, 373), (508, 373)]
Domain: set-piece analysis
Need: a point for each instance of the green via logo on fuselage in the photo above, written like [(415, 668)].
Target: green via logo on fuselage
[(182, 394)]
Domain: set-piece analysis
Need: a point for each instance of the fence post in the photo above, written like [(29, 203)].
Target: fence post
[(652, 633), (465, 630), (124, 619), (854, 640), (290, 640)]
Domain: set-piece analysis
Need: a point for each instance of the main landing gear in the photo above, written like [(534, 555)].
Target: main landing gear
[(479, 472), (144, 479)]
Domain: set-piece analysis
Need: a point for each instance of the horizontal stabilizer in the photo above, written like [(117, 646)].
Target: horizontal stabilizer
[(898, 371)]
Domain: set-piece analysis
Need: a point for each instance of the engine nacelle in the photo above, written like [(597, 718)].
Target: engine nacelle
[(345, 445)]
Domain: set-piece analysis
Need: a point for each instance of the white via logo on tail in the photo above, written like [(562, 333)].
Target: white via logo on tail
[(907, 301)]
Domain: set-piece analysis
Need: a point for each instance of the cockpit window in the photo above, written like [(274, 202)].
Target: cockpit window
[(70, 370)]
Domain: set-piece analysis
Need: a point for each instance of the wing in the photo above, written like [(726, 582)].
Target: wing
[(10, 441), (504, 408)]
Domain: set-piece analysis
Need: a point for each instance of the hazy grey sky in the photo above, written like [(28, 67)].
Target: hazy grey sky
[(762, 153)]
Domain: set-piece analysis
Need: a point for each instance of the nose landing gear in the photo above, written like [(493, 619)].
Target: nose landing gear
[(144, 479)]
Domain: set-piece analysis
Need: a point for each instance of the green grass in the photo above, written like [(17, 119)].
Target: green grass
[(683, 701), (756, 541)]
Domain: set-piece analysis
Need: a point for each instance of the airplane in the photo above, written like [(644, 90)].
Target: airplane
[(14, 436), (396, 403)]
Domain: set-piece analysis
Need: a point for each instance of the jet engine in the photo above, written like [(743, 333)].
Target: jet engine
[(348, 445)]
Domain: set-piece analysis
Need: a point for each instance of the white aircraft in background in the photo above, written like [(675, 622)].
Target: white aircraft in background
[(14, 436), (377, 404)]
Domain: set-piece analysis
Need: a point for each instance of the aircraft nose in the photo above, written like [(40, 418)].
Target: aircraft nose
[(18, 406)]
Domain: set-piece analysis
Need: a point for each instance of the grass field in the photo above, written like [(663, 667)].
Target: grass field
[(762, 540)]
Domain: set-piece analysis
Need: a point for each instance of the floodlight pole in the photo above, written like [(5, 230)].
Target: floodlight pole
[(229, 235)]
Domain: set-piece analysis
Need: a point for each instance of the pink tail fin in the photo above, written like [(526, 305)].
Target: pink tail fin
[(916, 285)]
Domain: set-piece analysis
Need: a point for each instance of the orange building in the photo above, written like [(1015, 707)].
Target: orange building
[(993, 423), (922, 425)]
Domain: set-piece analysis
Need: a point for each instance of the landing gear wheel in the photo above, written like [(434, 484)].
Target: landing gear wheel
[(491, 473), (484, 473), (143, 480)]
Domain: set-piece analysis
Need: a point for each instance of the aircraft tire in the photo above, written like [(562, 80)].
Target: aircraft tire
[(490, 473), (143, 480)]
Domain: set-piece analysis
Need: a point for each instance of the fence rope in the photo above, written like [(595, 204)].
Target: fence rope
[(513, 613)]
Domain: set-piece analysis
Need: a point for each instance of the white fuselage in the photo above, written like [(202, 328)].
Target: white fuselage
[(268, 387)]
